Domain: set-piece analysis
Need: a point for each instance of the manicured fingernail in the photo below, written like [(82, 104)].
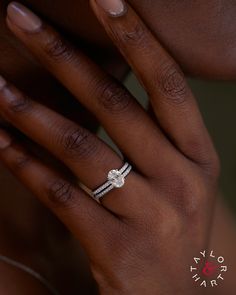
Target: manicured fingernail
[(23, 17), (113, 7), (5, 139), (2, 82)]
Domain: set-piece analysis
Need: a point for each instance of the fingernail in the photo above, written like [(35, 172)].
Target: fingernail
[(2, 82), (113, 7), (23, 17), (5, 139)]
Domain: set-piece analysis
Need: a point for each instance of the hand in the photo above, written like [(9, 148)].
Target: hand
[(144, 236)]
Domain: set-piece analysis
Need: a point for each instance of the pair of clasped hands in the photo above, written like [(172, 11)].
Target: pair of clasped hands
[(142, 237)]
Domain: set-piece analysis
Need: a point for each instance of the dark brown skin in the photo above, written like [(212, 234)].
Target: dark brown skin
[(160, 208), (181, 212), (200, 35)]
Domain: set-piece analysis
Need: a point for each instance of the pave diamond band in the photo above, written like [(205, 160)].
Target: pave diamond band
[(115, 179)]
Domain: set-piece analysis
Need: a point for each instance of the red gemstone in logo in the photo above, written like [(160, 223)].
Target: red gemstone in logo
[(209, 269)]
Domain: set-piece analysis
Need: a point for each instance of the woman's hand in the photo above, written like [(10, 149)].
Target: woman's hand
[(144, 236)]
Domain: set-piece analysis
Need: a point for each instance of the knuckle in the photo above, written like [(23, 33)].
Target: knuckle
[(135, 35), (58, 49), (60, 192), (78, 143), (191, 194), (180, 185), (113, 98), (205, 156), (171, 83), (184, 194), (17, 102), (21, 161), (197, 150)]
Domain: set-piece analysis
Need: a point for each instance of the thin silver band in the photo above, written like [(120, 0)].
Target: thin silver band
[(121, 173)]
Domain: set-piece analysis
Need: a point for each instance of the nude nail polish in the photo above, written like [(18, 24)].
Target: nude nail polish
[(113, 7), (5, 139), (23, 17), (2, 82)]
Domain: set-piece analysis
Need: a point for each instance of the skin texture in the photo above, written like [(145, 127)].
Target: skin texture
[(159, 216), (200, 35), (20, 67)]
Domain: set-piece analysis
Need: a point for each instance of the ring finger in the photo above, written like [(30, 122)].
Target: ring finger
[(117, 111), (84, 153)]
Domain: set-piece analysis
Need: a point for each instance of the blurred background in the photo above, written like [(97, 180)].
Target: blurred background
[(217, 101)]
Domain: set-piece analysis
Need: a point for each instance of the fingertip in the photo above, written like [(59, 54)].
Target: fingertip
[(23, 18)]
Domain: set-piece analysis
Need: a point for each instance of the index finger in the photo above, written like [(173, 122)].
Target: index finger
[(108, 100), (172, 100)]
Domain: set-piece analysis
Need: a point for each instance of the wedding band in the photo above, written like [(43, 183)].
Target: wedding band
[(115, 179)]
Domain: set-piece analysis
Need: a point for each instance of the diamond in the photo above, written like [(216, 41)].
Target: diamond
[(116, 178)]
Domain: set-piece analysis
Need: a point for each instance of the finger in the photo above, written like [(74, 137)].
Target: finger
[(122, 117), (84, 153), (84, 217), (172, 100)]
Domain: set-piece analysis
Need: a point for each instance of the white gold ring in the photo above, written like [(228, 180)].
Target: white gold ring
[(115, 179)]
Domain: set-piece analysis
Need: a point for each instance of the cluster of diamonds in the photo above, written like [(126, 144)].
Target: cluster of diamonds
[(115, 179)]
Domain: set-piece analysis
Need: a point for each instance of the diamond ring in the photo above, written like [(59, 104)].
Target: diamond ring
[(115, 179)]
